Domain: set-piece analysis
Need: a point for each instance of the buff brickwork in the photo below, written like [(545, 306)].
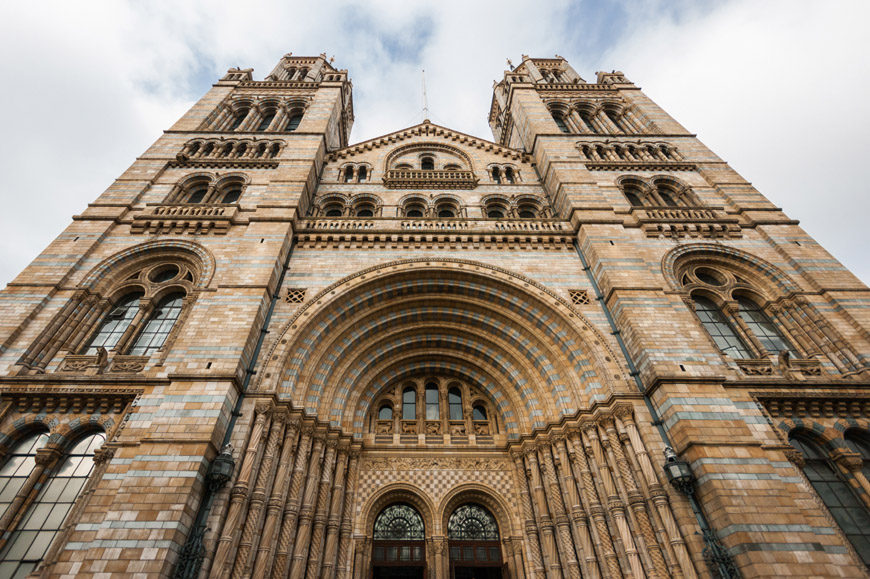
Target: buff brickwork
[(433, 319)]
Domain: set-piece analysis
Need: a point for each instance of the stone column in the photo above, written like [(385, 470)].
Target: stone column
[(614, 503), (345, 566), (239, 495), (321, 513), (588, 561), (441, 556), (658, 495), (633, 495), (545, 524), (46, 458), (87, 327), (277, 499), (306, 511), (291, 506), (583, 473), (258, 495), (570, 565), (335, 515), (532, 543)]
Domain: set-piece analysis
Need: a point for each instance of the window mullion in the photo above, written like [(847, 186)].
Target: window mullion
[(146, 308), (46, 459), (731, 310)]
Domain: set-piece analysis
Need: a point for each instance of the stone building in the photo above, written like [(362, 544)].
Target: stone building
[(586, 348)]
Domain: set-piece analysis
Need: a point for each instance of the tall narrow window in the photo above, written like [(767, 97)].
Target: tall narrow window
[(614, 119), (667, 197), (509, 175), (478, 412), (232, 194), (239, 119), (720, 330), (18, 466), (385, 412), (361, 176), (433, 411), (560, 122), (454, 400), (115, 323), (268, 116), (496, 174), (293, 123), (157, 329), (633, 197), (427, 164), (587, 120), (848, 511), (348, 174), (197, 193), (409, 404), (761, 326), (28, 544)]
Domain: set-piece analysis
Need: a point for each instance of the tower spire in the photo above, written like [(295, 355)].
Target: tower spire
[(425, 99)]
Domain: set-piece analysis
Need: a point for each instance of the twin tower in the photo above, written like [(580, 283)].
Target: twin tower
[(585, 348)]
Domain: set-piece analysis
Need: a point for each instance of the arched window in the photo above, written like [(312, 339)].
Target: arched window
[(18, 466), (454, 401), (471, 522), (303, 73), (333, 210), (446, 212), (348, 174), (156, 330), (232, 194), (197, 193), (761, 326), (293, 122), (859, 441), (268, 116), (478, 412), (496, 174), (365, 210), (414, 211), (362, 173), (495, 212), (399, 522), (560, 122), (433, 409), (614, 118), (427, 164), (409, 404), (291, 72), (633, 196), (527, 211), (717, 325), (29, 542), (509, 175), (238, 119), (115, 323), (667, 198), (385, 412), (586, 117), (846, 509)]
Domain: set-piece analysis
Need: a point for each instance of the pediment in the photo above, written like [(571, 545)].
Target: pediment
[(433, 133)]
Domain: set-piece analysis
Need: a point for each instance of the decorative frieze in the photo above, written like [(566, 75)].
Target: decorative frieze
[(186, 218), (419, 179)]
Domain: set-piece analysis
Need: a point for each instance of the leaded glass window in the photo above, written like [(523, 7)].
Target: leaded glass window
[(157, 329), (848, 511), (399, 522), (454, 400), (761, 326), (29, 542), (115, 323), (472, 522), (720, 330), (18, 467)]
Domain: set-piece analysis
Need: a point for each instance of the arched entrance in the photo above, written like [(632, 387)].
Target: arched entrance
[(398, 544), (474, 547)]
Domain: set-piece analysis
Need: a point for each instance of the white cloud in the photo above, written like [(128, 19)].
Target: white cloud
[(775, 88)]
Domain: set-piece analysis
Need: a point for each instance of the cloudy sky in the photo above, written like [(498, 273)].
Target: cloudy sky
[(780, 88)]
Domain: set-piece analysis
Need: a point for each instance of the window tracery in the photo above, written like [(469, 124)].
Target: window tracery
[(472, 522), (399, 522), (432, 406)]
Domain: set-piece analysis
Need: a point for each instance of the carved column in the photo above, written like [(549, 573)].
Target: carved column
[(145, 309), (545, 524), (732, 311), (335, 515), (440, 556), (614, 502), (239, 494), (70, 326), (777, 314), (306, 511), (87, 326), (277, 499), (634, 496), (345, 560), (516, 552), (321, 513), (589, 562), (532, 543), (258, 495), (596, 509), (291, 506), (563, 526), (852, 464), (658, 496)]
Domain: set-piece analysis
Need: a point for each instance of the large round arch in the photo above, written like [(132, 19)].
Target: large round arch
[(531, 352)]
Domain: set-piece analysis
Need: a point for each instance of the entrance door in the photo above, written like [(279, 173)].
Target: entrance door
[(475, 560), (399, 547)]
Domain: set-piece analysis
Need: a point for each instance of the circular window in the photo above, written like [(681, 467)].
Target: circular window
[(709, 276), (164, 274)]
